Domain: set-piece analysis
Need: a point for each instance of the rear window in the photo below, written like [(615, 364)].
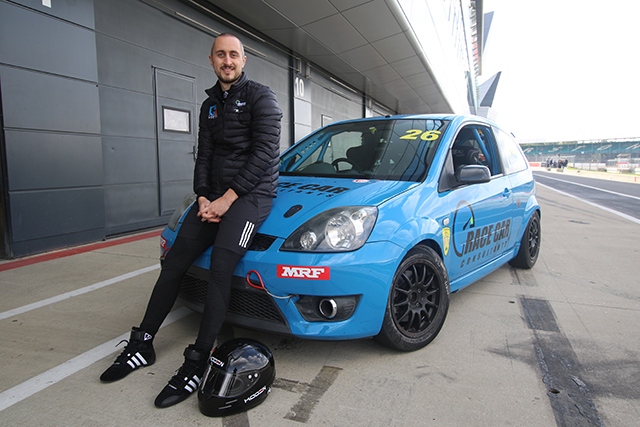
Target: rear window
[(513, 159)]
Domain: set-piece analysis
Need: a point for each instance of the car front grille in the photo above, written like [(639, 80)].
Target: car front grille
[(261, 242), (193, 289), (245, 302), (251, 304)]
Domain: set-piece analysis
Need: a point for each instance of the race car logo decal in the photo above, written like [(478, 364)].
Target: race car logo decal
[(446, 235), (429, 135), (479, 242), (465, 218), (306, 273), (164, 247), (326, 190)]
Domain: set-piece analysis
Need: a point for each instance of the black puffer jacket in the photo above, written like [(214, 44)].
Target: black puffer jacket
[(238, 141)]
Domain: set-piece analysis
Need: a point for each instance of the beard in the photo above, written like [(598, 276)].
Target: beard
[(229, 78)]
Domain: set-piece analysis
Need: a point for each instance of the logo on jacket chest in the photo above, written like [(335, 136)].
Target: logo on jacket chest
[(213, 111), (239, 105)]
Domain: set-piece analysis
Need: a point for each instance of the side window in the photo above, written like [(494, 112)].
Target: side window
[(513, 158), (474, 145)]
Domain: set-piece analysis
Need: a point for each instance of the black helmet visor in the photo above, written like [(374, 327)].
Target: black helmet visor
[(221, 383)]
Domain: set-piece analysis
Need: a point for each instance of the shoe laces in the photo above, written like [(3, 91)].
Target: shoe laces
[(130, 349)]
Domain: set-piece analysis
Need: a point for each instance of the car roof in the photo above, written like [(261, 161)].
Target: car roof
[(460, 118)]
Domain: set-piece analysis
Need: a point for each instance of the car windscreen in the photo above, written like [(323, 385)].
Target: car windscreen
[(386, 149)]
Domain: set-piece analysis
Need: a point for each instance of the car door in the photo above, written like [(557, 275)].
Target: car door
[(516, 168), (477, 225)]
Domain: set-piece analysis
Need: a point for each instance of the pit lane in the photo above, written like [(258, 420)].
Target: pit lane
[(555, 345)]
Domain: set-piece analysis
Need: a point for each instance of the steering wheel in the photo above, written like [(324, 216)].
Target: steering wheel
[(344, 159)]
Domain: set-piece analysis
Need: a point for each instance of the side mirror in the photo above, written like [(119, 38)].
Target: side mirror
[(473, 174)]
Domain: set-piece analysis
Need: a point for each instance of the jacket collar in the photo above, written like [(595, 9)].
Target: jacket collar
[(216, 90)]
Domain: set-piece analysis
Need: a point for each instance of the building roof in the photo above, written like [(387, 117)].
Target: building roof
[(369, 45)]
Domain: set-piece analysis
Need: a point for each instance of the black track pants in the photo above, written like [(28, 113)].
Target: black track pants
[(223, 261), (230, 239), (165, 292)]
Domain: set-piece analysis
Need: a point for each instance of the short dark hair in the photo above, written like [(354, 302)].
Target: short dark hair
[(228, 35)]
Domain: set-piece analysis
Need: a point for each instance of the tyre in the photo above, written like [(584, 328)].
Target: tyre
[(418, 301), (529, 245)]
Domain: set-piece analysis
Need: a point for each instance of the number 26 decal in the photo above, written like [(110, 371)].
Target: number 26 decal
[(429, 135)]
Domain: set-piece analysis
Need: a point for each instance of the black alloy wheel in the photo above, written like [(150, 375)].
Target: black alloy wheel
[(418, 301), (529, 245)]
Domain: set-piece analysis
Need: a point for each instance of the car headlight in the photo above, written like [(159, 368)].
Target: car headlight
[(336, 230), (180, 210)]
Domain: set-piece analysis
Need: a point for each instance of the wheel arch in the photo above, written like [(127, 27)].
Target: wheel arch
[(431, 243)]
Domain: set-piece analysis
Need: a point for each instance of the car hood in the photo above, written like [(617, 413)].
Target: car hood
[(301, 198)]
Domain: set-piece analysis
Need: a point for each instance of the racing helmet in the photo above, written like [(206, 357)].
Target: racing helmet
[(238, 377)]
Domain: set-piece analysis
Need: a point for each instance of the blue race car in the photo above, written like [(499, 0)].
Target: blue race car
[(376, 221)]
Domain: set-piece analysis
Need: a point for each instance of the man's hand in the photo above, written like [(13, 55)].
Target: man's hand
[(203, 204), (213, 211)]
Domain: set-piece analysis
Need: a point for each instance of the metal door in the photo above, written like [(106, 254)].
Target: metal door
[(176, 135)]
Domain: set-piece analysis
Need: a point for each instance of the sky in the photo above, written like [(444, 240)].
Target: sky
[(570, 68)]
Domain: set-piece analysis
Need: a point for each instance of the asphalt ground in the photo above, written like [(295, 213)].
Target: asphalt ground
[(555, 345), (621, 195)]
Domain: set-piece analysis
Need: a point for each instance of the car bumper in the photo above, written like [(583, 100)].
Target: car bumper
[(362, 278)]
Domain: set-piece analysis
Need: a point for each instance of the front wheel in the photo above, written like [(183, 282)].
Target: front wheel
[(529, 245), (418, 301)]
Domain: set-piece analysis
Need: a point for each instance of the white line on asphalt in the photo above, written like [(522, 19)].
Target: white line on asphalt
[(61, 297), (40, 382), (591, 187), (623, 215)]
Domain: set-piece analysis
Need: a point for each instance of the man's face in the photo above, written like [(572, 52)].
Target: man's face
[(227, 60)]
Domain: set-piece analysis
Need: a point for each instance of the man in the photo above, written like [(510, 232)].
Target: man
[(235, 179)]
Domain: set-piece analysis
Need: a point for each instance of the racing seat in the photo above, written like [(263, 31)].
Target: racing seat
[(363, 156)]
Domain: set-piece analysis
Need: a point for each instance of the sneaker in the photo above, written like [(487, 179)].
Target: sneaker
[(186, 380), (138, 353)]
